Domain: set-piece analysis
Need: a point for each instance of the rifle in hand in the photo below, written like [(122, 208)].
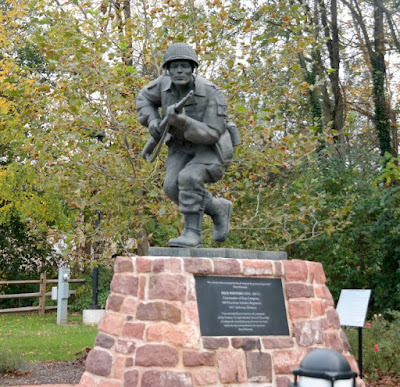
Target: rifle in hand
[(152, 144)]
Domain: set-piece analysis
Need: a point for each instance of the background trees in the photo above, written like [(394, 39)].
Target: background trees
[(312, 85)]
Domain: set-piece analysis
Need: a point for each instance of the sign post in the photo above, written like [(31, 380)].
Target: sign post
[(352, 310), (62, 295)]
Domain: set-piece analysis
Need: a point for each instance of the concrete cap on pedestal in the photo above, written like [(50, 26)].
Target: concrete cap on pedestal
[(216, 253)]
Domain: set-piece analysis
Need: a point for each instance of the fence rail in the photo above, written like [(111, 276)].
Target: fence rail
[(41, 294)]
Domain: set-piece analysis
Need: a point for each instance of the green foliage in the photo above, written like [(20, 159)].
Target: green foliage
[(21, 251), (10, 361), (39, 338), (391, 171), (83, 297), (381, 340), (367, 241)]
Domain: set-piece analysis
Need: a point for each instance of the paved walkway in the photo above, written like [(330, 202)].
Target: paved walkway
[(44, 385)]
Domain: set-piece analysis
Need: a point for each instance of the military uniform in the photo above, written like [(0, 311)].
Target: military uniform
[(199, 149), (199, 154)]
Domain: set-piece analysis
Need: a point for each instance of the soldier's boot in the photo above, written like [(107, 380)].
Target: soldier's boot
[(220, 211), (191, 236)]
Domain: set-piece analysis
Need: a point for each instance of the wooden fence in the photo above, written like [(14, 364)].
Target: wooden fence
[(41, 294)]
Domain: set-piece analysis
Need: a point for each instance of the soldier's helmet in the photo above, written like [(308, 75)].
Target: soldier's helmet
[(180, 51)]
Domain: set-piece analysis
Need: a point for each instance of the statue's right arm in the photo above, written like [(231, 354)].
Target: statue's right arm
[(148, 102)]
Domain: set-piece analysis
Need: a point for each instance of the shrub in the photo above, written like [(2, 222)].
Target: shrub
[(10, 362), (381, 343), (364, 253)]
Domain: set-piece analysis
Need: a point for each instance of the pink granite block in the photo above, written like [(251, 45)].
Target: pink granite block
[(166, 379), (191, 313), (272, 342), (87, 381), (317, 274), (156, 355), (191, 294), (143, 265), (226, 266), (114, 302), (296, 270), (246, 343), (333, 340), (183, 336), (299, 309), (318, 308), (158, 311), (333, 318), (171, 265), (168, 287), (319, 291), (215, 343), (308, 333), (197, 265), (110, 383), (231, 366), (299, 290), (345, 342), (195, 358), (125, 346), (123, 265), (131, 378), (278, 268), (99, 362), (125, 284), (324, 293), (119, 367), (285, 361), (129, 305), (205, 377), (104, 341), (111, 323), (282, 381), (257, 267), (259, 367)]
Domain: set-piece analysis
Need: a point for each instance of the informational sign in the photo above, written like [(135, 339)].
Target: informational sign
[(352, 307), (236, 306)]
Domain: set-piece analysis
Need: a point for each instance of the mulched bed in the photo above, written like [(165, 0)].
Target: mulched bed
[(64, 372), (385, 380)]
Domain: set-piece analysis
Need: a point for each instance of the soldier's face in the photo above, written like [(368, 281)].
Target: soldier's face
[(180, 72)]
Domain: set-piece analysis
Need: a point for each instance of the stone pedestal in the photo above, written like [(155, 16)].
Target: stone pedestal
[(150, 333)]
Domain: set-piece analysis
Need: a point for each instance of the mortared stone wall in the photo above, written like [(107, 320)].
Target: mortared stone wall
[(150, 335)]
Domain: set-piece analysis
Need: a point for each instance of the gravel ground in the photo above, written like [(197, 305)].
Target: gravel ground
[(66, 372)]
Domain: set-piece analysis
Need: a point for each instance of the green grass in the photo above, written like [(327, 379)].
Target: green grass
[(39, 338)]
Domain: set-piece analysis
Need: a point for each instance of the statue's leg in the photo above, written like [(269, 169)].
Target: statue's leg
[(194, 198), (220, 211), (191, 204), (176, 161)]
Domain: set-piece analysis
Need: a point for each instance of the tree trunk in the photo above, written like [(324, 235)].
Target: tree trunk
[(332, 43), (376, 54), (382, 118)]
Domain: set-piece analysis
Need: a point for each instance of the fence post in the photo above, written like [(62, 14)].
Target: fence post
[(42, 298)]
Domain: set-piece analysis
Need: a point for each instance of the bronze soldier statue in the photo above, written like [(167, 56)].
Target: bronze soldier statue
[(200, 143)]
